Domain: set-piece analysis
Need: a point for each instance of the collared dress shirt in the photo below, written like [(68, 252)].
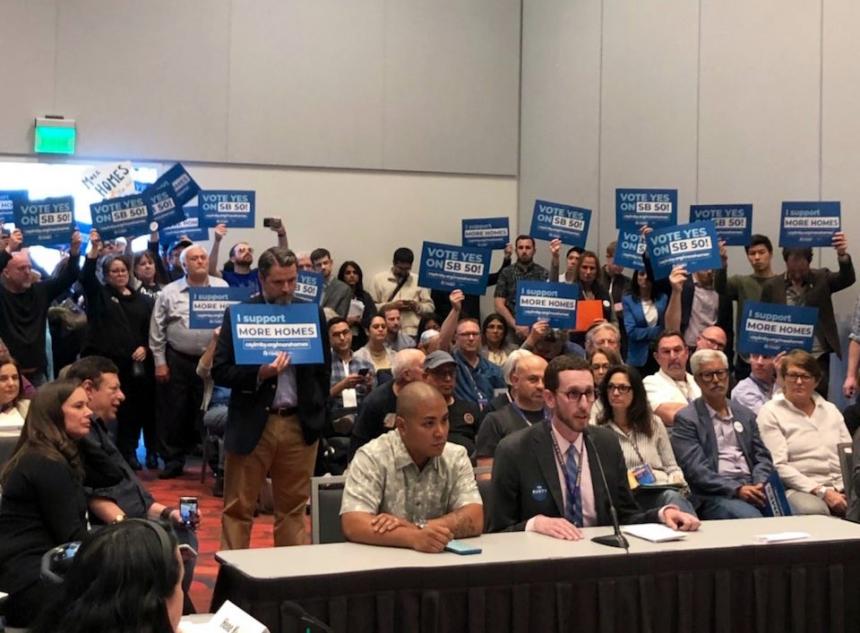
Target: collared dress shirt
[(382, 477)]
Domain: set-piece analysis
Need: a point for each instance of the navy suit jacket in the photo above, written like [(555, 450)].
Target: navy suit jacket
[(525, 480), (695, 446), (250, 403)]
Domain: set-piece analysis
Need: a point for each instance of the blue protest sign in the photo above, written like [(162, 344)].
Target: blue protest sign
[(691, 245), (7, 204), (554, 302), (261, 331), (492, 233), (309, 286), (189, 227), (234, 208), (207, 304), (807, 224), (120, 217), (552, 220), (770, 328), (629, 248), (163, 206), (654, 207), (47, 222), (733, 222), (179, 182), (445, 267)]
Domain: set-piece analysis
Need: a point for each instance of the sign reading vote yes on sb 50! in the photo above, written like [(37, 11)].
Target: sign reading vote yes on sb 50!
[(189, 227), (47, 222), (552, 220), (445, 267), (127, 216), (235, 209), (654, 207), (732, 221), (207, 304), (550, 301), (629, 248), (309, 286), (262, 331), (492, 233), (693, 246), (807, 224), (769, 328)]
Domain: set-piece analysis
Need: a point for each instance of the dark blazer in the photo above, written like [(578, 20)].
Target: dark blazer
[(820, 285), (250, 403), (525, 463), (695, 446)]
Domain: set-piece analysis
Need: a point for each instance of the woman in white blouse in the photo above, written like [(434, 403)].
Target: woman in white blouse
[(644, 441), (801, 429), (13, 405)]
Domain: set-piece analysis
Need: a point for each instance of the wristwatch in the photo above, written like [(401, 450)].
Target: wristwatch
[(165, 514)]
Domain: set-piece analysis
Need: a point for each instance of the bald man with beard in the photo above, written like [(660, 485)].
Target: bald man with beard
[(411, 487)]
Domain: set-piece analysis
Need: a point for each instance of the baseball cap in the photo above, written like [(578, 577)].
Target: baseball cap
[(437, 359)]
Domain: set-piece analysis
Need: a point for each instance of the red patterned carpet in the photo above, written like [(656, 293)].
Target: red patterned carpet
[(168, 492)]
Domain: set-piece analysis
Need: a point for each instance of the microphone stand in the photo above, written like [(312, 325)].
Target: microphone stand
[(617, 539)]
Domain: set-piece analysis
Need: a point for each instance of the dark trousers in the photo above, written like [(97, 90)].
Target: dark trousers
[(824, 384), (179, 408)]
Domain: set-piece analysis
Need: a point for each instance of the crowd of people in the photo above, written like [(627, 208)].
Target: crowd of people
[(416, 388)]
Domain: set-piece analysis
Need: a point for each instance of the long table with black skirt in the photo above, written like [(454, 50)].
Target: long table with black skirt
[(719, 579)]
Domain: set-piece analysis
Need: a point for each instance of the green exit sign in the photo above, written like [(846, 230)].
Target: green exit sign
[(54, 135)]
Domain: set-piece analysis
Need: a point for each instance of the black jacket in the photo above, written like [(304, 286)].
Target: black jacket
[(525, 463), (250, 403)]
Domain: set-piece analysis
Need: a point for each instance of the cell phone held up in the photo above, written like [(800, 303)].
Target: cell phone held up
[(188, 511), (271, 223)]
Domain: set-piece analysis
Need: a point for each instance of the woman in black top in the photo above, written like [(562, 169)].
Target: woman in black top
[(118, 329), (43, 497), (350, 273)]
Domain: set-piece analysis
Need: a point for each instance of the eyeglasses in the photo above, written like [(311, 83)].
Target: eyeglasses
[(574, 395), (719, 374), (795, 376), (718, 345), (620, 388)]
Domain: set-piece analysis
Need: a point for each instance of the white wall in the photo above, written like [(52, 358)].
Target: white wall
[(367, 84), (361, 215), (726, 100)]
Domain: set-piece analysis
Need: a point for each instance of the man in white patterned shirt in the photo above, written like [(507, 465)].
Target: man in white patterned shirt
[(410, 487)]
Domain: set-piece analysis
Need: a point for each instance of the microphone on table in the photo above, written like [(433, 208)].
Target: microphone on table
[(612, 540), (297, 611)]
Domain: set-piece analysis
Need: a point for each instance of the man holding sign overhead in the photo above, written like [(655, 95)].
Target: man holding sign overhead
[(813, 288), (276, 414)]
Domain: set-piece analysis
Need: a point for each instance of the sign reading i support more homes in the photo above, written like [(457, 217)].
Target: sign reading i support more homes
[(207, 304), (808, 224), (492, 233), (261, 331), (769, 328), (550, 301)]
